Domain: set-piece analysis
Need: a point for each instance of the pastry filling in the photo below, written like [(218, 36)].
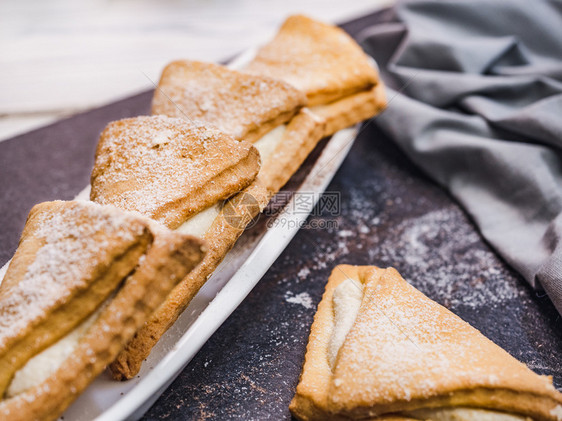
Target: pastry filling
[(346, 300), (42, 365), (267, 144), (200, 223)]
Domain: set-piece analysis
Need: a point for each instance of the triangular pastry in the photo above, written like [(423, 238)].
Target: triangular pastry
[(380, 348), (256, 108), (320, 59), (169, 169), (244, 106), (82, 281), (282, 149), (289, 147), (177, 172), (328, 65)]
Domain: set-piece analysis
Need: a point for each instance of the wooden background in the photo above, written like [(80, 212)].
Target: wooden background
[(60, 57)]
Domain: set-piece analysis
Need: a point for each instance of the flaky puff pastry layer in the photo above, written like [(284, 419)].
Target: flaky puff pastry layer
[(65, 247), (302, 134), (59, 275), (352, 109), (169, 169), (406, 352), (319, 59), (244, 106)]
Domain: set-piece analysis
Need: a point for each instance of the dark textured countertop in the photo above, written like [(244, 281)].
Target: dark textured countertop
[(390, 215)]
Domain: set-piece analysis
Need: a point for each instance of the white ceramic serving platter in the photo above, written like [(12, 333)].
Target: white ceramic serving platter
[(242, 268)]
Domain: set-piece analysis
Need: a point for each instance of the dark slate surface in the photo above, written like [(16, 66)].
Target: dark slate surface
[(390, 214)]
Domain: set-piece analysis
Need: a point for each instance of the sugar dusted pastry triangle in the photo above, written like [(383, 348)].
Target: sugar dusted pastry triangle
[(339, 79), (380, 348), (169, 169), (244, 106), (206, 183), (282, 151), (59, 259), (317, 58), (256, 108), (84, 278)]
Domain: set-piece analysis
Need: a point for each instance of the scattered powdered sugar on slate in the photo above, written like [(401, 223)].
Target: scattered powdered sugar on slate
[(438, 251), (303, 273), (438, 255), (75, 237), (303, 299)]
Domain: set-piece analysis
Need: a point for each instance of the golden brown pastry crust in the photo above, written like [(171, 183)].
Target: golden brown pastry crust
[(59, 275), (406, 352), (302, 134), (244, 106), (220, 238), (169, 169), (319, 59), (168, 259), (352, 109)]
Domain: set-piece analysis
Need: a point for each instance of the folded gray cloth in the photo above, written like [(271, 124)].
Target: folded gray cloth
[(480, 111)]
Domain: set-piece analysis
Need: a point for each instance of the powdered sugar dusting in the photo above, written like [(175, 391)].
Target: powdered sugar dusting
[(427, 246), (154, 164), (303, 299), (303, 273), (316, 58), (409, 345), (234, 102), (439, 253), (71, 235), (557, 412)]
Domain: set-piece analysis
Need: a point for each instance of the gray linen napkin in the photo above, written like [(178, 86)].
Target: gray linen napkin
[(479, 109)]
